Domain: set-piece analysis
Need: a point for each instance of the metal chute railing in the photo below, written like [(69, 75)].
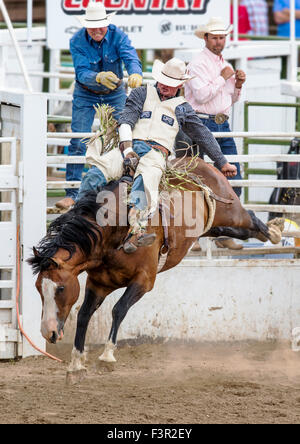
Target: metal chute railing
[(64, 138)]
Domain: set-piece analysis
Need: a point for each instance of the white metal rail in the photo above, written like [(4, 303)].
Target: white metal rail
[(63, 159), (64, 138), (239, 134)]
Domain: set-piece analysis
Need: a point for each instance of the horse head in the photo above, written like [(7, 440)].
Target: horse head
[(59, 289), (59, 258)]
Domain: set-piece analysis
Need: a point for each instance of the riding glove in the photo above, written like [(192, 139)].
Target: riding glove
[(135, 80), (108, 79), (130, 164)]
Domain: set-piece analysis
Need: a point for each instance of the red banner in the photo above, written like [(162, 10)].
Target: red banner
[(140, 6)]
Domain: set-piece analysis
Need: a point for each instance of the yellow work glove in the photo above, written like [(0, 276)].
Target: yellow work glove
[(108, 79), (135, 80)]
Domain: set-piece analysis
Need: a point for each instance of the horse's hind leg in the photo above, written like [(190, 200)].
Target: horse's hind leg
[(93, 299), (132, 294), (270, 231), (236, 233), (257, 229)]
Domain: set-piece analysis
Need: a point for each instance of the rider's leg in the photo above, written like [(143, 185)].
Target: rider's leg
[(144, 199), (92, 181), (109, 167), (138, 218)]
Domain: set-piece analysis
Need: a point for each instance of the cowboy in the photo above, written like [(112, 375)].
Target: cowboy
[(148, 127), (98, 51), (214, 88)]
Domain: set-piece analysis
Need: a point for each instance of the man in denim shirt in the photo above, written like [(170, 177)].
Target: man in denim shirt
[(98, 51)]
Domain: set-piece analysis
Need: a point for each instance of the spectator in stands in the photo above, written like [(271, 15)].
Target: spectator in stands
[(258, 16), (244, 23), (98, 50), (281, 11)]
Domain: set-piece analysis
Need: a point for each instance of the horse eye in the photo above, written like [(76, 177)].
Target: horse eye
[(60, 289)]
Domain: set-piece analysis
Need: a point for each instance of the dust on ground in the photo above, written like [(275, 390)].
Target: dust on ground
[(158, 383)]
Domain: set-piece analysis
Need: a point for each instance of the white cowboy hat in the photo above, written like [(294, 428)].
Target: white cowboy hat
[(215, 26), (172, 73), (96, 16)]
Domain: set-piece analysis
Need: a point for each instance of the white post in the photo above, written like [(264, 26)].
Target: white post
[(3, 58), (27, 121), (238, 109), (294, 48), (53, 81), (292, 20), (235, 22), (34, 208), (29, 22), (16, 45)]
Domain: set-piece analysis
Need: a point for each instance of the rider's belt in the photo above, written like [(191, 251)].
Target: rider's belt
[(158, 147), (161, 148), (100, 93), (219, 118)]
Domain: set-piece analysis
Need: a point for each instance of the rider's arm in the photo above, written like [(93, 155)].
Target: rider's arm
[(200, 134), (125, 135), (129, 117), (133, 107)]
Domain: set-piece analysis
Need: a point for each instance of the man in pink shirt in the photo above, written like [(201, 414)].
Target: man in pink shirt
[(215, 88)]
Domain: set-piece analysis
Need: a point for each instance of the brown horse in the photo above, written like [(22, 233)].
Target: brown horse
[(75, 242)]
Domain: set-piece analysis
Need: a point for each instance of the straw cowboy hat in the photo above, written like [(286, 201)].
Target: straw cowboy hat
[(215, 26), (96, 16), (172, 73)]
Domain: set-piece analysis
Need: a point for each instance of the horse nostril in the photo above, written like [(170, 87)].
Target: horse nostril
[(54, 337)]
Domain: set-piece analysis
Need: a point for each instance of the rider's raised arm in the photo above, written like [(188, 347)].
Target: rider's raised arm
[(133, 106), (192, 126)]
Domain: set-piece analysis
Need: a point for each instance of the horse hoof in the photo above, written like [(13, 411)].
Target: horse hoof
[(278, 222), (75, 377), (105, 366), (275, 234)]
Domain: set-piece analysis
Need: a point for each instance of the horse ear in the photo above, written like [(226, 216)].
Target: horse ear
[(35, 252)]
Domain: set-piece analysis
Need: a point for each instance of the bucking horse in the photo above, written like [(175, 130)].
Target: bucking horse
[(76, 242)]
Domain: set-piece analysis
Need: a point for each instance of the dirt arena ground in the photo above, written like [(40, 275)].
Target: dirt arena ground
[(158, 383)]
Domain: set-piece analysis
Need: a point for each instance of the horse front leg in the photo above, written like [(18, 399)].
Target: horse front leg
[(133, 293), (93, 299)]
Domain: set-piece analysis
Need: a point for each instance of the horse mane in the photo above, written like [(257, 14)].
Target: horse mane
[(76, 228)]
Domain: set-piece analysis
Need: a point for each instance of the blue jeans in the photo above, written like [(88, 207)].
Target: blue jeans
[(227, 145), (83, 115), (94, 180)]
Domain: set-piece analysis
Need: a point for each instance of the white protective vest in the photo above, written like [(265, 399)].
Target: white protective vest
[(158, 120)]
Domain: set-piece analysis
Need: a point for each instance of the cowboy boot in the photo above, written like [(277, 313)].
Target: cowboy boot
[(65, 203), (138, 240)]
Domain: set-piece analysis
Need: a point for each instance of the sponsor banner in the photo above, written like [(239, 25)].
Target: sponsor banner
[(150, 24)]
